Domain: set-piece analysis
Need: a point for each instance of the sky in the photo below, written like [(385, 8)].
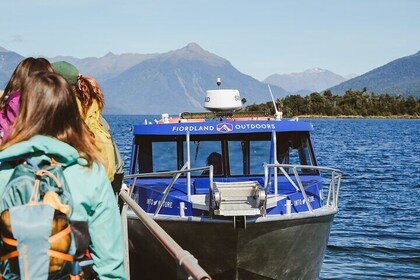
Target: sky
[(259, 38)]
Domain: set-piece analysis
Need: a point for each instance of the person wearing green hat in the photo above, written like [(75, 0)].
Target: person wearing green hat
[(67, 70), (90, 101)]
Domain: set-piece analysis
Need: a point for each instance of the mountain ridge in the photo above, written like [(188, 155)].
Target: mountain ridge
[(176, 80), (400, 76), (311, 80), (107, 66), (183, 80), (8, 62)]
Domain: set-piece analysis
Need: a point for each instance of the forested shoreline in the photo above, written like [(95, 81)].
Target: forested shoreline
[(353, 103)]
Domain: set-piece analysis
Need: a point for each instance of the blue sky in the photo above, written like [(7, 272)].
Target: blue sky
[(259, 38)]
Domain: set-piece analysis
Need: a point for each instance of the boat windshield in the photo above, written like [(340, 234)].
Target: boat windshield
[(230, 155)]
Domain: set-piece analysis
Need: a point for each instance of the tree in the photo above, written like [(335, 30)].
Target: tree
[(353, 102), (410, 105), (317, 104), (294, 105)]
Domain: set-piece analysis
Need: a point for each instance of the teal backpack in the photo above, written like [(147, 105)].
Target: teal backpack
[(36, 229)]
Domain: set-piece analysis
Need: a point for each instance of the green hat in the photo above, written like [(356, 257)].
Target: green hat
[(67, 70)]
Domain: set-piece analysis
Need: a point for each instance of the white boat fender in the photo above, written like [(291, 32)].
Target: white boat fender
[(182, 209), (288, 207), (165, 118)]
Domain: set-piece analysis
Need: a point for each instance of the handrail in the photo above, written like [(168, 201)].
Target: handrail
[(175, 174), (334, 186), (168, 189), (184, 258), (164, 173)]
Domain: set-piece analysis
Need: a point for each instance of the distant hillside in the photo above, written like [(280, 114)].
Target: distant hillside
[(176, 81), (401, 76), (172, 82), (350, 76), (8, 62), (311, 80), (106, 67)]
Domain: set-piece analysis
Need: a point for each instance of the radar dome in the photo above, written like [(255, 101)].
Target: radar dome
[(223, 100)]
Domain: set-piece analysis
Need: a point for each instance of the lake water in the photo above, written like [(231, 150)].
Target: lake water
[(376, 233)]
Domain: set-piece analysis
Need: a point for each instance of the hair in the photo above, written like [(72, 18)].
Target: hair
[(49, 108), (215, 159), (87, 90), (23, 70)]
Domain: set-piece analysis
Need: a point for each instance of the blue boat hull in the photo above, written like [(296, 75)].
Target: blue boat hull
[(270, 249)]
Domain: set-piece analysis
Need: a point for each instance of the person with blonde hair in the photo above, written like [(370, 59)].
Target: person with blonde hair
[(9, 100), (90, 100), (91, 104), (49, 125)]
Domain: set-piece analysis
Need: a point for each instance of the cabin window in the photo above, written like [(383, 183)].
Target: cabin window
[(259, 153), (164, 156), (204, 153), (231, 155), (293, 148), (299, 155), (236, 157)]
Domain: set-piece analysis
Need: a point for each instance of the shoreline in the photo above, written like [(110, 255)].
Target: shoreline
[(299, 116), (358, 117)]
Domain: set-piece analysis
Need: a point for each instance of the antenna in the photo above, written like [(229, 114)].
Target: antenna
[(218, 82), (278, 114)]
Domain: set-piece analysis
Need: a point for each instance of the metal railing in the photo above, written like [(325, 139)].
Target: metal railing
[(184, 258), (333, 189), (175, 175)]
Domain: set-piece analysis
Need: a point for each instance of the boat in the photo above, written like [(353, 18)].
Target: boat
[(241, 191)]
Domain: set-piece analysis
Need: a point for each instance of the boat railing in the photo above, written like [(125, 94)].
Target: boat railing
[(175, 176), (184, 258), (164, 173), (296, 182)]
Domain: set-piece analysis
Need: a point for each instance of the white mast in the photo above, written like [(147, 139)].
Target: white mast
[(279, 115)]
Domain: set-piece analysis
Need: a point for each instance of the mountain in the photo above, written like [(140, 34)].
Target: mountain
[(401, 76), (315, 79), (8, 62), (303, 92), (350, 76), (177, 81), (171, 82), (106, 67)]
